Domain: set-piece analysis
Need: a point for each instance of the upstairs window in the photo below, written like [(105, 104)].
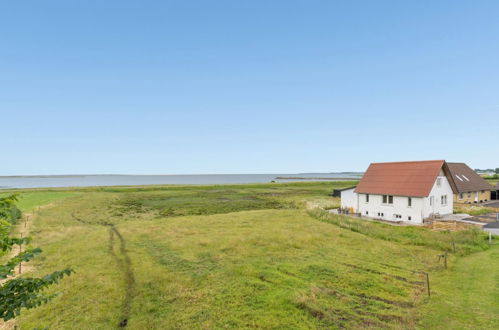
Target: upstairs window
[(367, 198), (409, 201), (439, 182), (443, 199), (387, 199)]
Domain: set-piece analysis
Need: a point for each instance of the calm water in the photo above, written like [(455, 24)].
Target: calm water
[(129, 180)]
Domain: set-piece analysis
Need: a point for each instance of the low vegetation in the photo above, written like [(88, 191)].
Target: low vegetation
[(240, 256), (491, 177), (473, 209)]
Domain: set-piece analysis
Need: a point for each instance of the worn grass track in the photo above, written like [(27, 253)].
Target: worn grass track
[(124, 264)]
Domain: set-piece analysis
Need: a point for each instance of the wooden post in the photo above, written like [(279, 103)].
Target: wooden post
[(445, 260), (20, 262), (428, 284)]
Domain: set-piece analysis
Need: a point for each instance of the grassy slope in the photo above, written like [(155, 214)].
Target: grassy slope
[(467, 295), (252, 268)]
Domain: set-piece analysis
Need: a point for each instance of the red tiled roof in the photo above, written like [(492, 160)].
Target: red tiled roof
[(400, 178)]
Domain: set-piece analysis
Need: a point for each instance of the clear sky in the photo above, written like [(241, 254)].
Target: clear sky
[(166, 87)]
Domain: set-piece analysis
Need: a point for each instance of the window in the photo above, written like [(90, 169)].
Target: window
[(409, 218), (387, 199), (460, 195), (367, 198), (409, 201), (457, 176), (465, 177), (367, 212), (398, 216), (431, 200), (439, 182), (469, 195), (443, 199)]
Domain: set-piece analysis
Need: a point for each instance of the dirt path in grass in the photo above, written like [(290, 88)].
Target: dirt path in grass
[(21, 229), (124, 263)]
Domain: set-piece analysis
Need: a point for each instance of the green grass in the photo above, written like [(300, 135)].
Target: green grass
[(461, 242), (236, 256), (473, 209), (467, 295), (28, 200)]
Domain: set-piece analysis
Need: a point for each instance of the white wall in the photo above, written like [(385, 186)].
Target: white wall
[(437, 192), (400, 206), (349, 199)]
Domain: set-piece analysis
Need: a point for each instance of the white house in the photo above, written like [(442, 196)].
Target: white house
[(402, 191)]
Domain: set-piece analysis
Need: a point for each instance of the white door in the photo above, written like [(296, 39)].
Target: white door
[(476, 197)]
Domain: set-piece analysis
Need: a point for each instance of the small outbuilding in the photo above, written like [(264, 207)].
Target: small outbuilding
[(337, 192), (494, 194)]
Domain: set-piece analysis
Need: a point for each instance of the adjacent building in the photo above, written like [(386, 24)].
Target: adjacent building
[(402, 191), (467, 185), (494, 194)]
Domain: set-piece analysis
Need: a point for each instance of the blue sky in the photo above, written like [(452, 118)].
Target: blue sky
[(165, 87)]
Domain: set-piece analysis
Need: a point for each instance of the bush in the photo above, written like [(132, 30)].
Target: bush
[(8, 209)]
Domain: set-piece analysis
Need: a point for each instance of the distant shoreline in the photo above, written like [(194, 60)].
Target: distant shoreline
[(73, 180), (313, 178)]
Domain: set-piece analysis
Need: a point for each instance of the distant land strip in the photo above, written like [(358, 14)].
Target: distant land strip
[(305, 178)]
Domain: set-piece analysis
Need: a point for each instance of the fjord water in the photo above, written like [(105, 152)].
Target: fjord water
[(51, 181)]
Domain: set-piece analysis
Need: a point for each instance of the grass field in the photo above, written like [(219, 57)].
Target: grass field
[(246, 256)]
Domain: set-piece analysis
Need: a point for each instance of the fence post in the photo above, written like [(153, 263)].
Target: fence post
[(20, 250), (428, 283)]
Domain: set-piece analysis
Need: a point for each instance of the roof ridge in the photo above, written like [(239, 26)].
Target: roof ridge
[(411, 161)]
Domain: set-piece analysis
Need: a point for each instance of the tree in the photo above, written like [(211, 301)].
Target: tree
[(497, 170), (23, 292)]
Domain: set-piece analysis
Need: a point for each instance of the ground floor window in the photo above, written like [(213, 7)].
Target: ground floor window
[(409, 218), (461, 196)]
